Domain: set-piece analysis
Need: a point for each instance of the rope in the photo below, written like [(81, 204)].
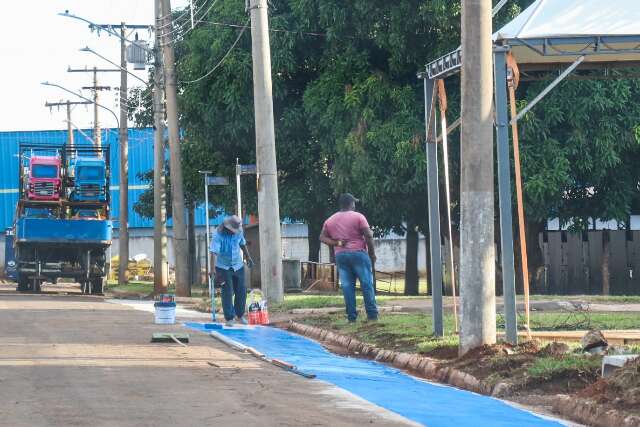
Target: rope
[(513, 81), (442, 100)]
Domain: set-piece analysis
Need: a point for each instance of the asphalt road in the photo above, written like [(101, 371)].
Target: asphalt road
[(71, 360)]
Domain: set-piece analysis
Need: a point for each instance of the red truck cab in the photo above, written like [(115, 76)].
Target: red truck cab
[(44, 178)]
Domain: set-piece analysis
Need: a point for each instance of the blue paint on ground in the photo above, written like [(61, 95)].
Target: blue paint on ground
[(421, 401)]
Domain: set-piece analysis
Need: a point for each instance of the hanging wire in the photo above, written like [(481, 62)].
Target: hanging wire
[(274, 30), (184, 13), (223, 58), (188, 30)]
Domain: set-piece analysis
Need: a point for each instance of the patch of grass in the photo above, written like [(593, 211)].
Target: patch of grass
[(617, 299), (294, 301), (142, 288), (400, 332), (583, 321), (545, 368)]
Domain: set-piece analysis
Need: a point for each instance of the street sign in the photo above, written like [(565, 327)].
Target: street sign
[(217, 180), (247, 169)]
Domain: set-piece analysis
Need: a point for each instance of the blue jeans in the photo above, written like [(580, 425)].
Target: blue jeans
[(233, 284), (352, 266)]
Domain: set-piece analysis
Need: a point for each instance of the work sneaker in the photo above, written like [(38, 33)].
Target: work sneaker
[(229, 323), (243, 320)]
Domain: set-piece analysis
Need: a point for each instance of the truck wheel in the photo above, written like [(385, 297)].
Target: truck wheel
[(97, 286), (23, 283)]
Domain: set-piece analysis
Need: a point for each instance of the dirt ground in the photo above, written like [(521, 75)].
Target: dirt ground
[(70, 360)]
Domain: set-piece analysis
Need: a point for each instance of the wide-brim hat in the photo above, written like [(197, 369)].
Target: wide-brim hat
[(232, 223)]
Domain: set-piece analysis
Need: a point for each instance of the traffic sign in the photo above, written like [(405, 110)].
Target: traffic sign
[(217, 180)]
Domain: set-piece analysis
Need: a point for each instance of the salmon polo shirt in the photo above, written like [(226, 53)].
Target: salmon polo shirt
[(348, 226)]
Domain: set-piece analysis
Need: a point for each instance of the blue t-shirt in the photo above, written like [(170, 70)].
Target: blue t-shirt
[(226, 246)]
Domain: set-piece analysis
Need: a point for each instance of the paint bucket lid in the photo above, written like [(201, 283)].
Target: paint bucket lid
[(164, 304)]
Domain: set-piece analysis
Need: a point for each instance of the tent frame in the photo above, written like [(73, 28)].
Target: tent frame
[(451, 64)]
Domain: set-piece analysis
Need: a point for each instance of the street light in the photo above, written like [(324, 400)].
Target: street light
[(107, 29), (88, 49), (83, 97)]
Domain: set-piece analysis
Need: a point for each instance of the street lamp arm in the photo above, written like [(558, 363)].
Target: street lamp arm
[(108, 30), (88, 49), (83, 97)]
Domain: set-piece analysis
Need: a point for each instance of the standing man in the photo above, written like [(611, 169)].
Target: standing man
[(227, 268), (349, 233)]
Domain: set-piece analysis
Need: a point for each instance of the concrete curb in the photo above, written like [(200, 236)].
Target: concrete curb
[(590, 413)]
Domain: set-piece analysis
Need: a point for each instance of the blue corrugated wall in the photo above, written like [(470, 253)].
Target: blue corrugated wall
[(140, 161)]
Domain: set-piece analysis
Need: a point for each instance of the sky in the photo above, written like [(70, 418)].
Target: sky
[(38, 45)]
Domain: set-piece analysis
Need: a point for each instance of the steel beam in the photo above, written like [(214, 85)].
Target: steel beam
[(434, 210), (504, 187)]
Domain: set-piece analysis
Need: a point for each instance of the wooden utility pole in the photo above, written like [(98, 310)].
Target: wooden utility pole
[(477, 263), (268, 209), (123, 230), (180, 246), (160, 271)]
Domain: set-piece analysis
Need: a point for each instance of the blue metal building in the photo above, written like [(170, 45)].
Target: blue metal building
[(140, 161)]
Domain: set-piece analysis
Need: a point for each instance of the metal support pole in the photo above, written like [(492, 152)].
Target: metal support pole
[(212, 290), (268, 207), (238, 189), (434, 211), (504, 187), (123, 230), (160, 267)]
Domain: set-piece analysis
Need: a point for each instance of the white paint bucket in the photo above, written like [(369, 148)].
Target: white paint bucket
[(165, 313)]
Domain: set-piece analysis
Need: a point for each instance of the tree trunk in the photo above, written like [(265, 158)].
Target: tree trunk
[(191, 237), (313, 236), (411, 261), (606, 254)]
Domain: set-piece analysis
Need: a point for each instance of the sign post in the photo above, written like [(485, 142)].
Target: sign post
[(210, 180), (242, 170)]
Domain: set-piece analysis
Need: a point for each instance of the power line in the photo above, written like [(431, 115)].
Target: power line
[(223, 58), (274, 30), (197, 21)]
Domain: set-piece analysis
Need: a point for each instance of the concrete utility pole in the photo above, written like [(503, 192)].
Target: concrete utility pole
[(160, 276), (477, 259), (123, 230), (183, 287), (268, 208), (68, 105)]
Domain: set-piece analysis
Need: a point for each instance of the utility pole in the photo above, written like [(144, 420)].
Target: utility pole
[(477, 260), (183, 287), (97, 137), (160, 276), (67, 104), (123, 230), (268, 208)]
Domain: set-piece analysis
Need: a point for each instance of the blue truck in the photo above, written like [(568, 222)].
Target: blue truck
[(67, 238)]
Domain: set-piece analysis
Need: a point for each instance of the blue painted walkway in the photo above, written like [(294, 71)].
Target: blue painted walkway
[(430, 404)]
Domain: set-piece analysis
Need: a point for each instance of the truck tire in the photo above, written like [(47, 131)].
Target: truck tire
[(23, 283), (97, 286)]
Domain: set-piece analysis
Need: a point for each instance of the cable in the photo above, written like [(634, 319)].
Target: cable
[(223, 58), (196, 22), (275, 30), (182, 15)]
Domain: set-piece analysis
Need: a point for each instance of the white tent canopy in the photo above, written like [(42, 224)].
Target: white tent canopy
[(558, 31)]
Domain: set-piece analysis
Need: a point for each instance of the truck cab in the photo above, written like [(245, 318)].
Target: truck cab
[(44, 181), (88, 176)]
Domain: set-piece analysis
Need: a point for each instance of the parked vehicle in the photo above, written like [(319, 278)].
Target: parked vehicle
[(44, 180)]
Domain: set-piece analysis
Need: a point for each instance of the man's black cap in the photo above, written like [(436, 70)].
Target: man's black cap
[(346, 199)]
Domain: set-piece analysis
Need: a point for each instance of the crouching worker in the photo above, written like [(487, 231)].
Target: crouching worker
[(227, 268), (349, 233)]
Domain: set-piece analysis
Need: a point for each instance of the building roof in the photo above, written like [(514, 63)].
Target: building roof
[(559, 31)]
